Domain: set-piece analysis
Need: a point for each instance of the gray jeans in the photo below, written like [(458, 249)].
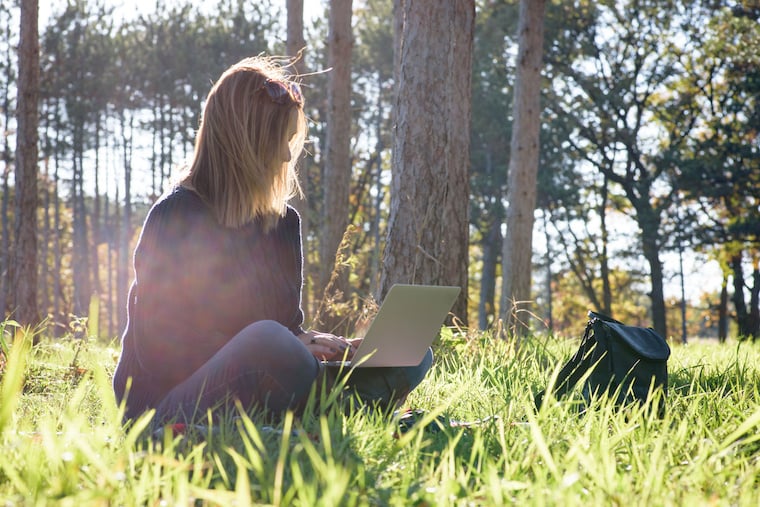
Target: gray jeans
[(266, 368)]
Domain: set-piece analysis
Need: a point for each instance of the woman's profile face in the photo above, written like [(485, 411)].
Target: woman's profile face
[(285, 154)]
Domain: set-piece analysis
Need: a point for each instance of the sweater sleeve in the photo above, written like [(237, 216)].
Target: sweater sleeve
[(295, 246), (171, 333)]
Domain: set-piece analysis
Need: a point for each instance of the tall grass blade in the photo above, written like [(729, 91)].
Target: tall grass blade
[(749, 424), (93, 317), (280, 466), (12, 381)]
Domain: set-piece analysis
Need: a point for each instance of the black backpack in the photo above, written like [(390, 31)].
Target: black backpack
[(628, 362)]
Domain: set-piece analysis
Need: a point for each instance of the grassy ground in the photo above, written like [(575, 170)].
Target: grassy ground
[(61, 441)]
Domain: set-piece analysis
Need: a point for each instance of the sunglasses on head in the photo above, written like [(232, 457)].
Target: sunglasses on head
[(283, 93)]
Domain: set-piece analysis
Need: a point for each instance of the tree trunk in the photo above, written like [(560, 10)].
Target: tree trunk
[(58, 302), (295, 45), (25, 273), (491, 245), (338, 150), (723, 311), (81, 238), (649, 225), (44, 294), (295, 41), (550, 253), (107, 225), (605, 260), (5, 230), (427, 241), (125, 225), (523, 168), (379, 197), (491, 250), (740, 305), (5, 252), (753, 326), (5, 246), (95, 224)]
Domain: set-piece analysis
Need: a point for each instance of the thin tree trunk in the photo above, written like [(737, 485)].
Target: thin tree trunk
[(154, 154), (5, 246), (108, 229), (5, 252), (549, 277), (295, 46), (605, 261), (523, 169), (295, 41), (338, 160), (754, 302), (683, 291), (399, 15), (81, 248), (96, 225), (740, 305), (57, 248), (5, 255), (491, 246), (25, 272), (379, 196), (121, 262), (46, 233), (723, 311), (168, 157), (126, 220), (491, 250), (649, 225)]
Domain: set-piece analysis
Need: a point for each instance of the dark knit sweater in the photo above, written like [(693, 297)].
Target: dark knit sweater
[(196, 285)]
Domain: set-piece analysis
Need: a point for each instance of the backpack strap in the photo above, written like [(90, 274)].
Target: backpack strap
[(572, 371)]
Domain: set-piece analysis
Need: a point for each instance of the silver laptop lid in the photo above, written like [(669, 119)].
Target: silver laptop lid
[(408, 321)]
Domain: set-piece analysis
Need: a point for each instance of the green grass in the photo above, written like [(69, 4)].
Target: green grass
[(61, 441)]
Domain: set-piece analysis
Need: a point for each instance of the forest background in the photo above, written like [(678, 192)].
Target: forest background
[(649, 157)]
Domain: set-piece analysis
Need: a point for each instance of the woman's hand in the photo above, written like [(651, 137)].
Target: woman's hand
[(328, 347)]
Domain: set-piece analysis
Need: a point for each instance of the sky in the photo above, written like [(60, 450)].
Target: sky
[(128, 9)]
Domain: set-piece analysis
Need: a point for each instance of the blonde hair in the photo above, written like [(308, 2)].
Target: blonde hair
[(238, 166)]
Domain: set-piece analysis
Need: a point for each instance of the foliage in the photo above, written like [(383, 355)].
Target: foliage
[(65, 443), (719, 167)]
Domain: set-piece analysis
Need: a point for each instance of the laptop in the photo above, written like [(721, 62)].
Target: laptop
[(408, 321)]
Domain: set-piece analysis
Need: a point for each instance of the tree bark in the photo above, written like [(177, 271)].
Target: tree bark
[(338, 150), (296, 46), (81, 237), (5, 227), (723, 311), (25, 272), (427, 241), (649, 224), (5, 244), (605, 260), (523, 168), (295, 42), (550, 253), (754, 302), (740, 304), (58, 300), (124, 219), (491, 248)]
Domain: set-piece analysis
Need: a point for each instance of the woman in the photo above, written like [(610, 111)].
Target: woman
[(214, 311)]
